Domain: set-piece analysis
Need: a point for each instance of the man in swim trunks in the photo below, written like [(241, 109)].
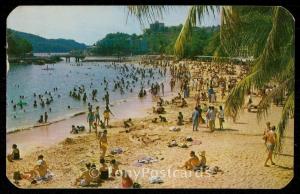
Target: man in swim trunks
[(90, 119), (270, 138)]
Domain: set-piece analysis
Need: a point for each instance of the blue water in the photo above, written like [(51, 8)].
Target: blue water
[(26, 79)]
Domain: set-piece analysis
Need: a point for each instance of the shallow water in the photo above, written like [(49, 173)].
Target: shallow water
[(27, 79)]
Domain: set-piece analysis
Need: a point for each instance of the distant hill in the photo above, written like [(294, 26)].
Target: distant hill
[(44, 45)]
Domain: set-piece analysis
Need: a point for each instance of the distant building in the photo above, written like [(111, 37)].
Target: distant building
[(157, 27)]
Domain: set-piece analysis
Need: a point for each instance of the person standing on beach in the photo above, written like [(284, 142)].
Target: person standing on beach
[(163, 88), (46, 117), (106, 115), (207, 114), (90, 119), (106, 97), (97, 115), (210, 94), (270, 138), (103, 143), (195, 117), (211, 118), (221, 117)]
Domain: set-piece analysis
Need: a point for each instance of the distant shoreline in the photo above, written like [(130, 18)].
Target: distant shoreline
[(45, 124)]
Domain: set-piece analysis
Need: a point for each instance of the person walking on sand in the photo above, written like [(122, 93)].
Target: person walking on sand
[(46, 117), (207, 116), (211, 118), (195, 117), (103, 143), (106, 115), (221, 117), (97, 115), (90, 119), (270, 138), (163, 89)]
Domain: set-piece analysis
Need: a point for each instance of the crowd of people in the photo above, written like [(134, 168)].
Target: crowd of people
[(208, 108)]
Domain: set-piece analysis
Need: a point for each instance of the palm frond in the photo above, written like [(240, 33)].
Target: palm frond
[(288, 110), (268, 64), (195, 15), (147, 13), (266, 101)]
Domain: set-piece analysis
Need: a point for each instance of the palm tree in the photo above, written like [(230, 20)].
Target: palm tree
[(267, 32)]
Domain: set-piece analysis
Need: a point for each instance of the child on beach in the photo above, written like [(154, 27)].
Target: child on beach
[(85, 179), (115, 167), (15, 155), (103, 170)]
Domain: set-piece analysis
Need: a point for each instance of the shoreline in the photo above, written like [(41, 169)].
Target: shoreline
[(50, 130)]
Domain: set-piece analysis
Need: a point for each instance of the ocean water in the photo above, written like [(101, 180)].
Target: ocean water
[(28, 79)]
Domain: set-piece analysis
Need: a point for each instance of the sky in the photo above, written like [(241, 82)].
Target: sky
[(88, 24)]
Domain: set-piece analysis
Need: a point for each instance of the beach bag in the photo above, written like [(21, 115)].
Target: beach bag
[(104, 175), (17, 175), (136, 185)]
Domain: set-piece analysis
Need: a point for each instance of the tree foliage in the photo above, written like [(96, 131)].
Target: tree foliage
[(156, 42), (17, 46), (268, 33)]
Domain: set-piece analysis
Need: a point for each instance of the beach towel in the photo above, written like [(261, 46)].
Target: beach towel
[(174, 129), (147, 160), (116, 150), (49, 175), (155, 180), (196, 142), (213, 170)]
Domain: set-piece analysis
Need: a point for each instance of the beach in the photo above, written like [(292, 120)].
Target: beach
[(238, 150)]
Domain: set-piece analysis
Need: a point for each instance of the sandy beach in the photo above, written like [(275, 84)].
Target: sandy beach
[(238, 150)]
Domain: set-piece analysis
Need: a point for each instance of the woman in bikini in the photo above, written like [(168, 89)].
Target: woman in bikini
[(103, 143)]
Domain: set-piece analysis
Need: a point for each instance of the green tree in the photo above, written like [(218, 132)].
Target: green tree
[(268, 32)]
